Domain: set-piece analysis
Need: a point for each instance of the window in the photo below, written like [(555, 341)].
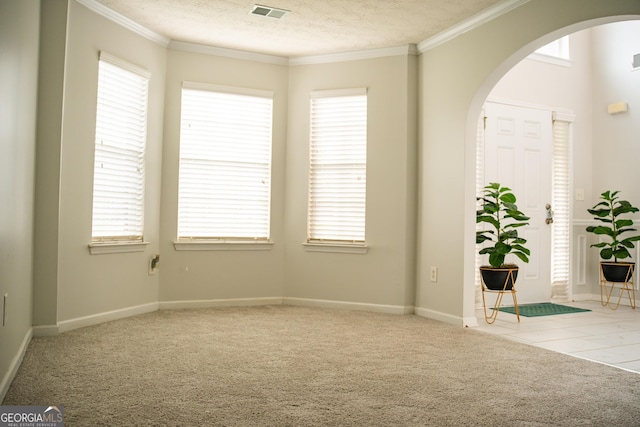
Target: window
[(558, 48), (338, 167), (121, 131), (225, 164), (556, 52), (561, 202)]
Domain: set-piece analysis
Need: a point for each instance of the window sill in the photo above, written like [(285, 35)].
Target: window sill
[(540, 57), (343, 248), (222, 246), (116, 247)]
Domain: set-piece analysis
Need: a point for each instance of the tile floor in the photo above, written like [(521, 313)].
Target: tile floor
[(602, 335)]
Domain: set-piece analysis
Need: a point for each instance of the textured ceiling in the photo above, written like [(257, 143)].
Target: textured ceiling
[(311, 28)]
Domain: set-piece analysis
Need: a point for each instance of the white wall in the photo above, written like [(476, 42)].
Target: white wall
[(615, 137), (616, 142), (86, 284), (451, 95), (19, 35), (228, 274), (53, 35), (385, 275), (73, 285)]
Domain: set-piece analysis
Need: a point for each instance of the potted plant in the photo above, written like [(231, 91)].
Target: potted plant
[(610, 212), (499, 211)]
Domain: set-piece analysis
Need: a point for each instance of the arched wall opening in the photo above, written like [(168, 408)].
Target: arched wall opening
[(455, 79), (473, 114)]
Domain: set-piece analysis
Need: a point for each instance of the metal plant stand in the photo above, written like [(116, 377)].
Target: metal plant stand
[(607, 287), (491, 318)]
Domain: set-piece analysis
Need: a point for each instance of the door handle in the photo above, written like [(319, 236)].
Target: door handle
[(549, 219)]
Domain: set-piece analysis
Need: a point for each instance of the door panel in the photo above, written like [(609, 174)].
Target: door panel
[(518, 144)]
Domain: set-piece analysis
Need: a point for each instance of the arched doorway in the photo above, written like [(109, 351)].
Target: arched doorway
[(455, 79), (483, 92)]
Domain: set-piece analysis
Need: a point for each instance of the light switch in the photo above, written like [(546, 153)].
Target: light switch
[(580, 194)]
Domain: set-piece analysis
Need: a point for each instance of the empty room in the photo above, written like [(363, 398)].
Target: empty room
[(228, 213)]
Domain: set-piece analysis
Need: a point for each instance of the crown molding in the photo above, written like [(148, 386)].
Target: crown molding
[(114, 16), (300, 60), (410, 49), (469, 24), (122, 20), (229, 53)]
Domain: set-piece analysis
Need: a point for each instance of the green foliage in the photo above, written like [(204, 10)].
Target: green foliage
[(609, 211), (498, 209)]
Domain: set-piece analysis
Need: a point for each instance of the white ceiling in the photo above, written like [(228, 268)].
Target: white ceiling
[(313, 27)]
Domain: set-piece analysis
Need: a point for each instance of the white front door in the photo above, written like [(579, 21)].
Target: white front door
[(518, 155)]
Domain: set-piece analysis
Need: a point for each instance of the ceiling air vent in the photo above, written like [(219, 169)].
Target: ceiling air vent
[(270, 12)]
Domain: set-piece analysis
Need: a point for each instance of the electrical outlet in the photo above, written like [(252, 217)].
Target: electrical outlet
[(434, 273)]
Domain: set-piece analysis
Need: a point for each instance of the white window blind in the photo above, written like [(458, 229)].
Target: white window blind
[(225, 163), (338, 166), (480, 132), (561, 205), (121, 131)]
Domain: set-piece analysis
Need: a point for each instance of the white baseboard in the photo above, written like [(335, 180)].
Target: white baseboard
[(470, 322), (378, 308), (15, 364), (444, 317), (585, 297), (234, 302), (596, 297), (80, 322)]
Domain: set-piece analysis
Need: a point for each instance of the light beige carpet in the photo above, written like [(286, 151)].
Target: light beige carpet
[(296, 366)]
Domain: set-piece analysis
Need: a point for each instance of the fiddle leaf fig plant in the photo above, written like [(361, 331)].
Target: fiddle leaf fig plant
[(499, 211), (609, 212)]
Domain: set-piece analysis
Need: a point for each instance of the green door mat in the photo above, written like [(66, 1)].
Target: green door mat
[(542, 309)]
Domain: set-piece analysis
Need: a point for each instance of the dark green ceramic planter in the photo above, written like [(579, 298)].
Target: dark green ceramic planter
[(500, 278)]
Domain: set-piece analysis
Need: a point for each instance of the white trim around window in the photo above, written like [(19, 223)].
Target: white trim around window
[(224, 197), (101, 248), (119, 163), (339, 248), (336, 219), (557, 52)]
